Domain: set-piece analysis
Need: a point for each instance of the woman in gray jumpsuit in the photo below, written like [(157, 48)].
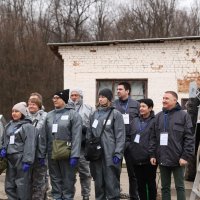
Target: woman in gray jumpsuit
[(18, 145), (106, 171), (63, 123)]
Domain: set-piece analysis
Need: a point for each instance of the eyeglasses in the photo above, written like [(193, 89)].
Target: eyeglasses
[(55, 98)]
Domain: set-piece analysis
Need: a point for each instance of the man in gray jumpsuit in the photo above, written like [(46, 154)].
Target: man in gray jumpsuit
[(62, 123), (76, 101)]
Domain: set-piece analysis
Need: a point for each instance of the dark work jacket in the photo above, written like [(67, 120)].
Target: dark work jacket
[(139, 151), (180, 137), (132, 110)]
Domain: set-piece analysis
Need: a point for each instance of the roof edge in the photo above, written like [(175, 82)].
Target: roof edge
[(115, 42)]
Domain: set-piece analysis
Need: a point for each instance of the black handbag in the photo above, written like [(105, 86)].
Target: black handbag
[(93, 148)]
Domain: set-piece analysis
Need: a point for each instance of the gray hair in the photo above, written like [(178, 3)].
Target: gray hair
[(79, 91)]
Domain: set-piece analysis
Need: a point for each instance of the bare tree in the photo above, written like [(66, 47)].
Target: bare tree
[(26, 63), (103, 21)]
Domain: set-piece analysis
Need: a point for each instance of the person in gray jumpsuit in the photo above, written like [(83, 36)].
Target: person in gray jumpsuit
[(62, 123), (76, 101), (18, 146), (106, 171), (38, 116), (1, 129)]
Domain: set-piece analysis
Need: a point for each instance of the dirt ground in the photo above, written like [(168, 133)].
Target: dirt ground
[(124, 186)]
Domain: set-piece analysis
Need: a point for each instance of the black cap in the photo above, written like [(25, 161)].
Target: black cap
[(64, 95), (106, 93), (148, 102)]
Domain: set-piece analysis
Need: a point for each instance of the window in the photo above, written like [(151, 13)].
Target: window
[(184, 103), (138, 87)]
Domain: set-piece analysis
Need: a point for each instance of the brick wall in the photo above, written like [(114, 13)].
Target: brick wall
[(163, 64)]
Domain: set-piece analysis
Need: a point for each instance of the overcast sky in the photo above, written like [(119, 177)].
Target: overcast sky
[(185, 3), (182, 3)]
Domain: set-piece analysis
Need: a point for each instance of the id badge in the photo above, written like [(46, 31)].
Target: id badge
[(108, 122), (55, 128), (137, 138), (126, 118), (164, 139), (95, 123), (64, 117), (12, 139)]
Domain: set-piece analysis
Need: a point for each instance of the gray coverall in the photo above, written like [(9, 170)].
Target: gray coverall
[(105, 173), (18, 182), (39, 182), (1, 129), (83, 168), (69, 129)]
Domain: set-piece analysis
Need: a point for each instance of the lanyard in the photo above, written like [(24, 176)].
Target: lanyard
[(78, 109), (142, 128), (165, 121), (126, 106)]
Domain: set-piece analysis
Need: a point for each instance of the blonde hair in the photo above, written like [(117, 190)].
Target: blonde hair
[(37, 101)]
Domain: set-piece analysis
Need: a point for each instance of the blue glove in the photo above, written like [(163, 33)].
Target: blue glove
[(116, 160), (3, 153), (41, 161), (25, 167), (73, 162)]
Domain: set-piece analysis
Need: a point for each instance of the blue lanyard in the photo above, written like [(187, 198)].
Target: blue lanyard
[(165, 121), (142, 128), (125, 106)]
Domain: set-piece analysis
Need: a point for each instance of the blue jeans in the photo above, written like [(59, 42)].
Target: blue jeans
[(178, 173)]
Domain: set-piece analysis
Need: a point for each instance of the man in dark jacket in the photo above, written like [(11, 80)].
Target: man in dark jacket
[(172, 144), (129, 109)]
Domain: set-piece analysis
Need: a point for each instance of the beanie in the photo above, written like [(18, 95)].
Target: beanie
[(79, 91), (21, 107), (148, 102), (64, 95), (106, 93)]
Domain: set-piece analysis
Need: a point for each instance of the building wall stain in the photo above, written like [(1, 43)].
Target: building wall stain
[(183, 84)]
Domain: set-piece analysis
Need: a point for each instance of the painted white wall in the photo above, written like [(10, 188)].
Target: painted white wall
[(161, 63)]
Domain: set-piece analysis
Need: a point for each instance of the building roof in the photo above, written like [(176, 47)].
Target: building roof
[(54, 46)]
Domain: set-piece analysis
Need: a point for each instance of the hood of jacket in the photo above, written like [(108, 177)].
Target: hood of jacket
[(176, 108)]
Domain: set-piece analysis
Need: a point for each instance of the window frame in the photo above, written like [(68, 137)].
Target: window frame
[(113, 81)]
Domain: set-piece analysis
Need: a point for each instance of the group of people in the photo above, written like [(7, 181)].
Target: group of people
[(126, 127)]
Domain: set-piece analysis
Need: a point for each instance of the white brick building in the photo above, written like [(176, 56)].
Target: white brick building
[(151, 65)]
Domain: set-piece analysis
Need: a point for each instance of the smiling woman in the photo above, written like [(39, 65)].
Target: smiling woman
[(19, 147)]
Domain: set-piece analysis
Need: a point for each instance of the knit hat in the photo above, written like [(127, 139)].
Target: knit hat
[(106, 93), (148, 102), (21, 107), (64, 95), (37, 101), (79, 91)]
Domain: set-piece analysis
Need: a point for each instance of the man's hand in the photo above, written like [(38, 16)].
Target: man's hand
[(182, 162), (153, 161)]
